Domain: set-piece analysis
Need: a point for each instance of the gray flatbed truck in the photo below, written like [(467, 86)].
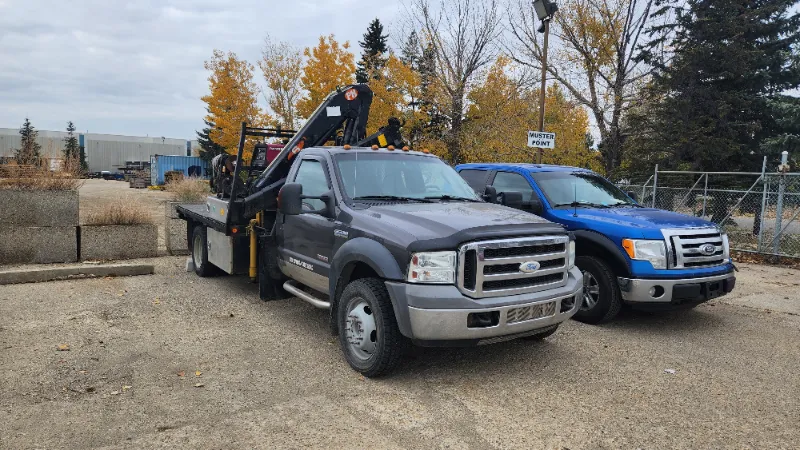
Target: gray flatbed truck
[(392, 241)]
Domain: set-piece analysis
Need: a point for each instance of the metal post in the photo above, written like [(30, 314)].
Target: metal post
[(779, 207), (544, 83), (763, 203), (644, 188), (705, 197), (655, 185)]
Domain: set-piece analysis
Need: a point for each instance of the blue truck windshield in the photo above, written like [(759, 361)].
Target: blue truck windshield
[(579, 188), (400, 175)]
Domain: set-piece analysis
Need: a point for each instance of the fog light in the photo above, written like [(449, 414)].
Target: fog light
[(656, 291), (652, 291)]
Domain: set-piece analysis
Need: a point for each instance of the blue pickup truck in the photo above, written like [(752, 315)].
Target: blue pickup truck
[(644, 257)]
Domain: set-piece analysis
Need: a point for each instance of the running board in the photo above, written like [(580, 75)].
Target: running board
[(290, 287)]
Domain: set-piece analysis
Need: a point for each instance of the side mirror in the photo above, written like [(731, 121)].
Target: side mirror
[(490, 194), (633, 196), (290, 199), (330, 205), (512, 199), (535, 205)]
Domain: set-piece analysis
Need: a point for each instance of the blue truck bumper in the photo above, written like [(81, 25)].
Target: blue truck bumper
[(676, 291)]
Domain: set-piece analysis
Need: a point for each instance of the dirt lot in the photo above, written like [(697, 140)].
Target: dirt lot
[(270, 375), (97, 194)]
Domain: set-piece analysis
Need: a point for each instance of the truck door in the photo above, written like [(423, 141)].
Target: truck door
[(306, 240)]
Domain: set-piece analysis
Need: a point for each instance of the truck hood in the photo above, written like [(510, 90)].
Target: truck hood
[(641, 218), (447, 224)]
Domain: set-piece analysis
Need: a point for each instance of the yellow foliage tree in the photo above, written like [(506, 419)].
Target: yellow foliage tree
[(328, 66), (394, 91), (501, 112), (281, 65), (232, 100)]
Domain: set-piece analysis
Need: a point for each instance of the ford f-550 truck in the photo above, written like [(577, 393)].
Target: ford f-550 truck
[(392, 241), (648, 258)]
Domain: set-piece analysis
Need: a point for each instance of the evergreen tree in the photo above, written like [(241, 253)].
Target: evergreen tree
[(208, 148), (84, 164), (375, 49), (716, 93), (410, 54), (30, 150), (71, 149)]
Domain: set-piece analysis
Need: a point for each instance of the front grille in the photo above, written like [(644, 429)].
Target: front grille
[(696, 247), (524, 313), (492, 268)]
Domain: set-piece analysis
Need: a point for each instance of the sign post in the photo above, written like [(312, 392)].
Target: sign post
[(540, 140)]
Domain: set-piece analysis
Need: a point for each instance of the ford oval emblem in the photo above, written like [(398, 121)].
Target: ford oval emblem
[(529, 266), (708, 249)]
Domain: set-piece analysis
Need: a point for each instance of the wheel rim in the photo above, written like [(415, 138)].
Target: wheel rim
[(361, 331), (197, 250), (591, 291)]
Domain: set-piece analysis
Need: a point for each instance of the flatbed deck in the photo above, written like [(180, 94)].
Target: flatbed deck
[(201, 214)]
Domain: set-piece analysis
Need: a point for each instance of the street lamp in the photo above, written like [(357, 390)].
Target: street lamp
[(544, 11)]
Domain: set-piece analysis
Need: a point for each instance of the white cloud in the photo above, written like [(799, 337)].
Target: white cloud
[(136, 67)]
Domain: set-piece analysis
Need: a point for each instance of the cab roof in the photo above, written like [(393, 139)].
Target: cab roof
[(533, 168), (340, 149)]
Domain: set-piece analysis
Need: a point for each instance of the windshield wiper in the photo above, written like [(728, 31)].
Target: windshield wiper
[(593, 205), (634, 205), (451, 197), (392, 198)]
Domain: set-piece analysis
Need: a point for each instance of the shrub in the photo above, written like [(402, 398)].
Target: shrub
[(188, 190), (36, 178), (121, 213)]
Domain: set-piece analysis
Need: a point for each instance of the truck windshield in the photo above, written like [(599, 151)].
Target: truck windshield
[(579, 189), (400, 176)]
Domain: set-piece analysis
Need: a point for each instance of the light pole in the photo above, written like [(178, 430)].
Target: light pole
[(544, 11)]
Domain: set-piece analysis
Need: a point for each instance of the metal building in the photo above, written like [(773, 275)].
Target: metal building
[(103, 151)]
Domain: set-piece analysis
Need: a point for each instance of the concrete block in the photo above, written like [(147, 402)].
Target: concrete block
[(39, 208), (36, 245), (28, 275), (175, 237), (111, 242)]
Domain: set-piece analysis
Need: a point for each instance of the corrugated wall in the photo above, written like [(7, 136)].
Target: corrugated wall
[(110, 152), (52, 142)]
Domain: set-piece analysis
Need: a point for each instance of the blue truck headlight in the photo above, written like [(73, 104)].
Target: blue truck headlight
[(432, 267), (647, 250), (571, 256)]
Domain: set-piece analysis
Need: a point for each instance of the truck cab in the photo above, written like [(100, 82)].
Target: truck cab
[(628, 253)]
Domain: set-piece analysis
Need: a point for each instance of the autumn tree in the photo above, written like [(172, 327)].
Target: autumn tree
[(394, 90), (29, 151), (232, 100), (281, 65), (461, 35), (503, 108), (208, 148), (374, 53), (594, 45), (328, 66)]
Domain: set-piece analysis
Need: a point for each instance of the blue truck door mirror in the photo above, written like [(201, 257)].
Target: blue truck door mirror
[(512, 199), (290, 199), (536, 205)]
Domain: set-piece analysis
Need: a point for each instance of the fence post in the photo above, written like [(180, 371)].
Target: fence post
[(763, 204), (779, 207), (705, 197), (655, 185)]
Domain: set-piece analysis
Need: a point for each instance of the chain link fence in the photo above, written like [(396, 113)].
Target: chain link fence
[(759, 211)]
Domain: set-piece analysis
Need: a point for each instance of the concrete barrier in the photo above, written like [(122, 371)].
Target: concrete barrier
[(26, 245), (37, 275), (112, 242), (39, 208), (175, 237)]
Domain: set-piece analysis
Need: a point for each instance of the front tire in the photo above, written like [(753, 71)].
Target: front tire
[(602, 300), (202, 267), (368, 331)]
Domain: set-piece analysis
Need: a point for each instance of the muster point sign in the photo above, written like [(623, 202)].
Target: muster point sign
[(540, 139)]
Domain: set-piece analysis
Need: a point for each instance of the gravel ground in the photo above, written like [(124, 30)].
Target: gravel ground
[(271, 376)]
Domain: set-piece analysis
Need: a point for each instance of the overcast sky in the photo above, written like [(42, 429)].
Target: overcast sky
[(136, 67)]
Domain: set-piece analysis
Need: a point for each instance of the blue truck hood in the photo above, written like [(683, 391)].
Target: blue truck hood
[(641, 218)]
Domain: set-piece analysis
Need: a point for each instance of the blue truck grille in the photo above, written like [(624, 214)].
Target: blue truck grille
[(695, 247)]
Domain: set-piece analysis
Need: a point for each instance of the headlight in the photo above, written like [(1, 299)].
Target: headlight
[(647, 250), (432, 267), (571, 254)]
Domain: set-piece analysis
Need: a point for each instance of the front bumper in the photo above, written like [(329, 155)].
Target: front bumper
[(442, 315), (687, 290)]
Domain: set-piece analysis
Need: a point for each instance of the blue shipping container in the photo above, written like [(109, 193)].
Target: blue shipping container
[(190, 166)]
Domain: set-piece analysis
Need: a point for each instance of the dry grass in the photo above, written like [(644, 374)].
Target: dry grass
[(122, 213), (188, 190), (36, 178)]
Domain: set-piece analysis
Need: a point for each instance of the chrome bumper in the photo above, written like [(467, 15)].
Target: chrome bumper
[(663, 291), (439, 324)]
